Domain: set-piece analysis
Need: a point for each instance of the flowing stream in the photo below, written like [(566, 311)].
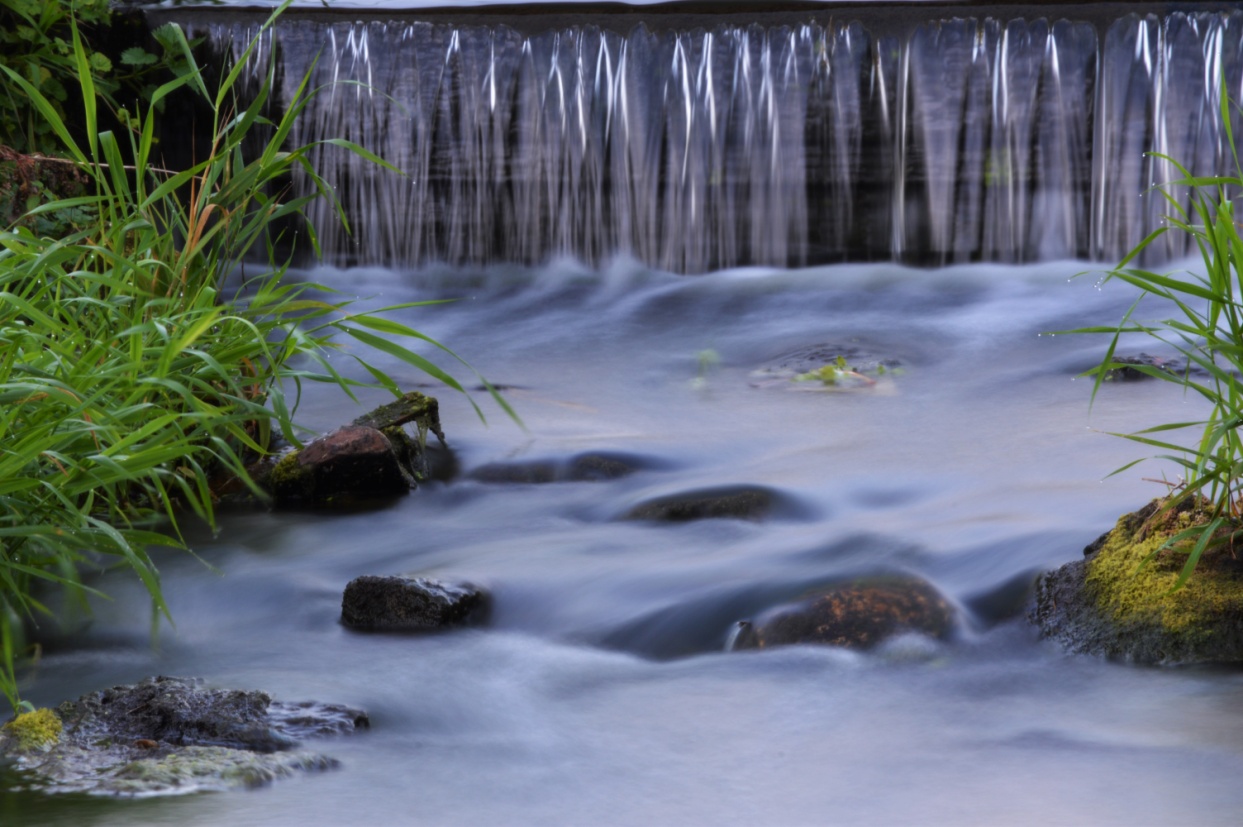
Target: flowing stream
[(599, 692), (560, 183)]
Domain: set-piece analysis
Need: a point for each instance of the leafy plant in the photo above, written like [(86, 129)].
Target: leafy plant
[(1207, 332), (36, 42), (133, 378)]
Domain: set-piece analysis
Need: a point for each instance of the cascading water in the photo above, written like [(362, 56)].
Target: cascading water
[(964, 140)]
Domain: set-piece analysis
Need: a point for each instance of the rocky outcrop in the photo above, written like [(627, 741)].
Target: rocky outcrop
[(170, 736), (410, 604), (857, 615), (1119, 601)]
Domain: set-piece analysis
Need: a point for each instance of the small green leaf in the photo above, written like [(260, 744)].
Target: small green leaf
[(136, 56), (100, 62)]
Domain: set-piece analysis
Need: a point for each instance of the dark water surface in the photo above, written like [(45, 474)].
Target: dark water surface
[(599, 694)]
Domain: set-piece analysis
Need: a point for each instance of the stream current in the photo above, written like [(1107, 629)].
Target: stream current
[(599, 693)]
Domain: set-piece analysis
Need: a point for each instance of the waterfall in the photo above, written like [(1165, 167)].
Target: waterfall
[(960, 140)]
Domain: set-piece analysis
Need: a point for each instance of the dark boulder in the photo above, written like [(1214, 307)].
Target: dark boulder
[(372, 458), (855, 615), (397, 604), (167, 736), (353, 461)]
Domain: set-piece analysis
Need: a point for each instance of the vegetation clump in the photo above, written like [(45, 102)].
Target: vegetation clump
[(1122, 600), (35, 731), (1133, 575), (157, 348), (1206, 331)]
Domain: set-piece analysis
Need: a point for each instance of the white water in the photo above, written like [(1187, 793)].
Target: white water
[(982, 465), (692, 150)]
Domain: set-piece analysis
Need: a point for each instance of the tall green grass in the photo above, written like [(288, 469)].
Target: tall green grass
[(1206, 329), (131, 380)]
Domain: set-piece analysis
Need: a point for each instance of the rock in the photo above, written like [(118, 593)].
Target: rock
[(1135, 368), (372, 458), (1111, 604), (394, 604), (170, 736), (856, 615), (591, 467), (744, 502), (828, 366), (352, 462)]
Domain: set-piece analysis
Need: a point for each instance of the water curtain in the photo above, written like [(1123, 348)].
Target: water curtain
[(963, 140)]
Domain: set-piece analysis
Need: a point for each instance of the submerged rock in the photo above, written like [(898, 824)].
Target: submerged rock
[(1143, 366), (591, 467), (742, 502), (828, 366), (856, 615), (170, 736), (404, 604), (1113, 604)]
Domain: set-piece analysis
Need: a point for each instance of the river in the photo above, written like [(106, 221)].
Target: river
[(599, 692)]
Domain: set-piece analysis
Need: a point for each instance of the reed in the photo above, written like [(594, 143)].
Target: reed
[(1206, 329), (131, 375)]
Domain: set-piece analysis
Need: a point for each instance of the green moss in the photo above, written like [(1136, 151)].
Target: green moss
[(287, 477), (38, 730), (1134, 593)]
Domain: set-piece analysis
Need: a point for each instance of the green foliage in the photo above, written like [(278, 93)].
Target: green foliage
[(1207, 331), (133, 379), (37, 44), (840, 374), (35, 730)]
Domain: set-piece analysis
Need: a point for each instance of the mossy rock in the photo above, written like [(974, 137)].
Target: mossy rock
[(1120, 604)]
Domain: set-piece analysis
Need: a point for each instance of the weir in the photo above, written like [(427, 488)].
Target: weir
[(695, 141)]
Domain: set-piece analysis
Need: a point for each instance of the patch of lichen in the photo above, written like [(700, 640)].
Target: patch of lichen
[(1133, 589), (35, 731)]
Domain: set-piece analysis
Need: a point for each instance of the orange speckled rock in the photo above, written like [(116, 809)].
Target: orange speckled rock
[(856, 615)]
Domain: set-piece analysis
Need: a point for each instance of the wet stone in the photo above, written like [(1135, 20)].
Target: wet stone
[(591, 467), (856, 615), (846, 367), (739, 503), (353, 461), (1130, 368), (398, 603), (171, 736)]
